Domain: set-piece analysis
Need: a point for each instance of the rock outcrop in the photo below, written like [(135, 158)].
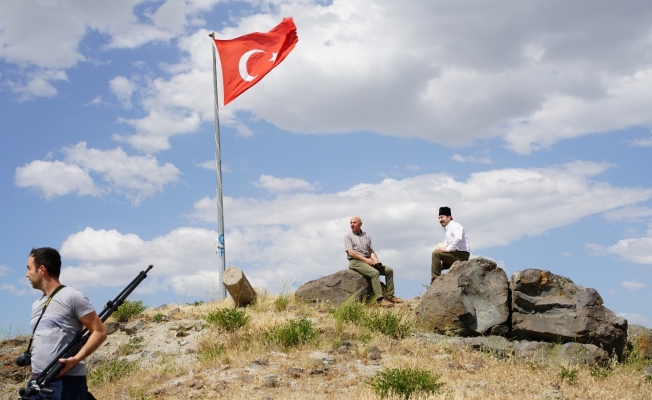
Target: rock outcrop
[(472, 299), (335, 288), (552, 308)]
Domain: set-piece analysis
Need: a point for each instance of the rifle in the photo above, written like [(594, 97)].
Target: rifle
[(43, 380)]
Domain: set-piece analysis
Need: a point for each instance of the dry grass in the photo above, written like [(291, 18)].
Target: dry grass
[(225, 369)]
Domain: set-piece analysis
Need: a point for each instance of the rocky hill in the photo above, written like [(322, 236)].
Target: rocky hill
[(293, 350)]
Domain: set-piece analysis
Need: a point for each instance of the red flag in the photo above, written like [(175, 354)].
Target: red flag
[(246, 59)]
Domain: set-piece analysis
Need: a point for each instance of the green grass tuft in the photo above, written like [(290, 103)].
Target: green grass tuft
[(127, 310), (111, 371), (229, 319), (404, 382), (291, 334)]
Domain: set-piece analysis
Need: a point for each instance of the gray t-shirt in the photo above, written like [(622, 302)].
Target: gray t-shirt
[(58, 327)]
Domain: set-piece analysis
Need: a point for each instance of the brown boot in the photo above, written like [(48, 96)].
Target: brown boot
[(385, 304), (395, 300)]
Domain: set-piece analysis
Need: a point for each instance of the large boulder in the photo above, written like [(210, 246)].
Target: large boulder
[(552, 308), (641, 339), (471, 299), (335, 288)]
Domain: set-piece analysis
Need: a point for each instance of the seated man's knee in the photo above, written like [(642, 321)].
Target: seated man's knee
[(388, 271)]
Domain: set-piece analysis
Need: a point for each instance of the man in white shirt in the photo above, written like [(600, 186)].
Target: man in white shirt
[(455, 248)]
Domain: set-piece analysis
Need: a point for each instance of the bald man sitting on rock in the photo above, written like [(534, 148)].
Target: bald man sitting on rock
[(363, 260)]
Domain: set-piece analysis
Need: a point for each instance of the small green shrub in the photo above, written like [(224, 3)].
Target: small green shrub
[(403, 382), (292, 333), (648, 378), (135, 343), (128, 309), (196, 303), (111, 371), (281, 302), (229, 319), (568, 374), (350, 311), (387, 323), (158, 318)]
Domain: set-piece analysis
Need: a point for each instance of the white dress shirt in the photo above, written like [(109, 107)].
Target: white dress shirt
[(456, 238)]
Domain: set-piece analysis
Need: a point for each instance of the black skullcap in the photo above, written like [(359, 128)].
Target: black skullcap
[(445, 211)]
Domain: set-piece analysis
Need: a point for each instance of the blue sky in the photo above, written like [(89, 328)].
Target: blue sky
[(530, 121)]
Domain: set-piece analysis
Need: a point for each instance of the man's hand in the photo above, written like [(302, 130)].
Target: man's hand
[(369, 261), (441, 247), (70, 362)]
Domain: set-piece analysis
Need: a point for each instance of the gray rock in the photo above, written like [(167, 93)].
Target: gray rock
[(374, 353), (532, 351), (552, 308), (270, 381), (648, 370), (133, 327), (495, 345), (296, 372), (111, 327), (472, 299), (335, 288), (578, 353)]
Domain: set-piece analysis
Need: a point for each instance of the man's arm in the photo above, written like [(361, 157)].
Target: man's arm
[(98, 335), (362, 258), (456, 232)]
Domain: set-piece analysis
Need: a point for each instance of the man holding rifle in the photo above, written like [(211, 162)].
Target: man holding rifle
[(56, 317)]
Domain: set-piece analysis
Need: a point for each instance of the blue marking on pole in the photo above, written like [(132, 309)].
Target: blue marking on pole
[(221, 239)]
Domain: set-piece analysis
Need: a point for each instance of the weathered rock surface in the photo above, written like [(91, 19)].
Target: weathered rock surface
[(134, 326), (552, 308), (472, 298), (335, 288)]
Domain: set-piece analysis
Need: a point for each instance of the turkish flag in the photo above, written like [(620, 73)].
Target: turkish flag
[(246, 59)]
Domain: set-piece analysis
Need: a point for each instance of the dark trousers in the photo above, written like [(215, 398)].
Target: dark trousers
[(444, 260), (67, 388)]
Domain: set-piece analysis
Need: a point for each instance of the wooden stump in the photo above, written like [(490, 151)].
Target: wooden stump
[(239, 287)]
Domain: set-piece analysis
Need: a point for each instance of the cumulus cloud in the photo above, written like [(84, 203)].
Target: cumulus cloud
[(633, 286), (17, 291), (471, 159), (449, 74), (55, 178), (282, 185), (122, 88), (628, 214), (39, 84), (3, 270), (636, 250), (643, 142), (136, 177)]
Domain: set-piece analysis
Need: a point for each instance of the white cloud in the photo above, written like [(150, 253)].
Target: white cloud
[(449, 74), (637, 319), (39, 84), (122, 88), (178, 257), (471, 159), (15, 290), (636, 250), (410, 167), (55, 178), (633, 286), (628, 214), (283, 185), (136, 177), (3, 270), (642, 142)]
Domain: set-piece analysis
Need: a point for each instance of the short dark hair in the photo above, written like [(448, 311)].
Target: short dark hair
[(445, 211), (48, 257)]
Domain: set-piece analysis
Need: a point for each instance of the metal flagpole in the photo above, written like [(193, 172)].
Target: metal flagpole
[(218, 163)]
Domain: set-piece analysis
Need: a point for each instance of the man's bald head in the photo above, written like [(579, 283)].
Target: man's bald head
[(355, 224)]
